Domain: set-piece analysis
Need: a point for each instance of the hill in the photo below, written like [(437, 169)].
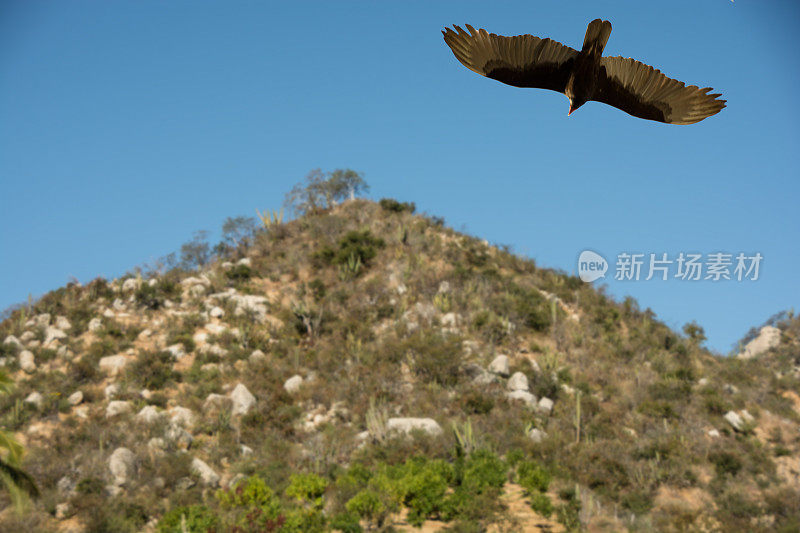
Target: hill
[(365, 367)]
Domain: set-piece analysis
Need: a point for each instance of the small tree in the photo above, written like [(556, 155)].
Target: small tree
[(196, 252), (323, 190), (236, 231), (695, 332), (15, 480)]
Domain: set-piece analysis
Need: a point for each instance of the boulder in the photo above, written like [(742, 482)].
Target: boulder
[(113, 364), (257, 356), (75, 398), (407, 425), (111, 391), (95, 324), (518, 381), (182, 416), (131, 284), (216, 312), (734, 420), (243, 400), (122, 464), (500, 366), (26, 361), (293, 384), (537, 435), (12, 341), (545, 406), (178, 436), (523, 395), (149, 414), (205, 472), (118, 407), (34, 398), (62, 323), (768, 337)]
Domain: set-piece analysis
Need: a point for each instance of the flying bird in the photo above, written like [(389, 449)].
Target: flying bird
[(527, 61)]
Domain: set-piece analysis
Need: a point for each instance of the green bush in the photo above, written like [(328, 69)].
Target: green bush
[(540, 502), (532, 477), (307, 488), (392, 205), (153, 370), (483, 470), (195, 518), (239, 273)]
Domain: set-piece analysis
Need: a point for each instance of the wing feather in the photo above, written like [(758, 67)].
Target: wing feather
[(521, 61), (645, 92)]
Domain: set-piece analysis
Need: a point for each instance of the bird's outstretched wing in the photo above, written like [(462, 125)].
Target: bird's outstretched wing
[(521, 61), (645, 92)]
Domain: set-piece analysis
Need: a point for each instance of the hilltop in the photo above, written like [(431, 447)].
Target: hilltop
[(366, 367)]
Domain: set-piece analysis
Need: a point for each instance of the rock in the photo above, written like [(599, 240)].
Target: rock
[(95, 324), (182, 416), (702, 382), (205, 472), (113, 364), (545, 406), (215, 401), (122, 464), (118, 305), (293, 384), (176, 350), (26, 361), (444, 287), (149, 414), (257, 356), (62, 323), (214, 349), (746, 416), (734, 420), (245, 450), (27, 336), (730, 389), (245, 261), (12, 341), (63, 511), (235, 480), (75, 398), (407, 425), (34, 398), (518, 381), (769, 337), (713, 433), (451, 320), (179, 436), (537, 435), (131, 284), (65, 486), (216, 312), (111, 391), (157, 446), (499, 366), (118, 407), (243, 400), (41, 320), (524, 396)]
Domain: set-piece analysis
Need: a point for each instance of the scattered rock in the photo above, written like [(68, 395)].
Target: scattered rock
[(243, 400), (176, 350), (702, 382), (149, 414), (769, 337), (95, 324), (13, 341), (205, 472), (27, 336), (182, 416), (118, 407), (245, 450), (257, 356), (26, 361), (35, 398), (245, 261), (518, 381), (63, 511), (131, 284), (713, 433), (293, 384), (157, 446), (734, 420), (500, 366), (62, 323), (111, 391), (545, 406), (216, 312), (444, 287), (451, 320), (122, 464), (537, 435), (178, 436), (524, 396), (75, 398), (113, 364), (407, 425)]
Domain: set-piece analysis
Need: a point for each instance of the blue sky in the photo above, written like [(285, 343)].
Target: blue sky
[(127, 125)]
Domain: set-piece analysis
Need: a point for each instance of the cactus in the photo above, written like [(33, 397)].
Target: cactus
[(578, 417), (465, 439), (351, 268), (270, 218)]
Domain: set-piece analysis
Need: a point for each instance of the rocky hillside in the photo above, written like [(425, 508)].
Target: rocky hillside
[(367, 368)]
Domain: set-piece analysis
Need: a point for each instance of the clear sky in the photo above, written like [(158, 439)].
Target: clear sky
[(127, 125)]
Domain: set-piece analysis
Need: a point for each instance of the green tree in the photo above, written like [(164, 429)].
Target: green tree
[(15, 480), (196, 252)]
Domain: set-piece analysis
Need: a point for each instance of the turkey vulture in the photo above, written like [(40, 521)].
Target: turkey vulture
[(636, 88)]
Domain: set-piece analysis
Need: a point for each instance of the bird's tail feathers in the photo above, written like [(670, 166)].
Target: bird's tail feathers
[(597, 34)]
